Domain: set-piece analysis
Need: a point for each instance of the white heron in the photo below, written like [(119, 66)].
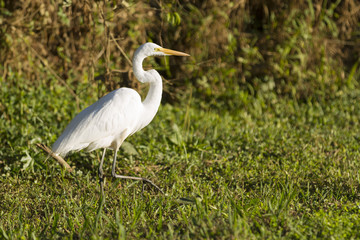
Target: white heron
[(117, 115)]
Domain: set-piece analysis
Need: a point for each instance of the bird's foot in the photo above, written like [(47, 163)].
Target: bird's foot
[(145, 180)]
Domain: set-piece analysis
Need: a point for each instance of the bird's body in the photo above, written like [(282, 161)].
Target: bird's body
[(103, 124), (117, 115)]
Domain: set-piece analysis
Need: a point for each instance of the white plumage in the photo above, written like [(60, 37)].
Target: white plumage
[(101, 124), (119, 114)]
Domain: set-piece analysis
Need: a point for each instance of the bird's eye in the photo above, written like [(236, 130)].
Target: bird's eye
[(157, 49)]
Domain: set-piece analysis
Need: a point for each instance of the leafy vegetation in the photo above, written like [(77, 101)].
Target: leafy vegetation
[(259, 138)]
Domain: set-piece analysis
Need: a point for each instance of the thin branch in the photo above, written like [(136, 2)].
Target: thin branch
[(62, 81), (56, 157), (121, 50)]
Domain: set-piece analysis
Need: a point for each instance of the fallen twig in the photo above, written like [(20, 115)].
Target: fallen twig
[(56, 157)]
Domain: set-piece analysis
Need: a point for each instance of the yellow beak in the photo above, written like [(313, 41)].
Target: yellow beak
[(172, 52)]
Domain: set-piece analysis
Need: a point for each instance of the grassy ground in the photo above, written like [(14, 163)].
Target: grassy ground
[(258, 166)]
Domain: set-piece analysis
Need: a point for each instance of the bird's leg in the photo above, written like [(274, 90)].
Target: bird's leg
[(101, 173), (144, 180)]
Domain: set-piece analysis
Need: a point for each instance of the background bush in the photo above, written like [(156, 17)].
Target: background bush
[(297, 48)]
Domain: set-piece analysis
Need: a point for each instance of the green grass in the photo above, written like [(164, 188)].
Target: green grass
[(251, 166)]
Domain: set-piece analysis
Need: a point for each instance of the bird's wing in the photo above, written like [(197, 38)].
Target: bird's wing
[(100, 123)]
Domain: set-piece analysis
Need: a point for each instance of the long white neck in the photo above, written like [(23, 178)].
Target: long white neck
[(153, 98)]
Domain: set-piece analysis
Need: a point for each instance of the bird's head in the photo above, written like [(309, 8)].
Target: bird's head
[(147, 50), (152, 49)]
